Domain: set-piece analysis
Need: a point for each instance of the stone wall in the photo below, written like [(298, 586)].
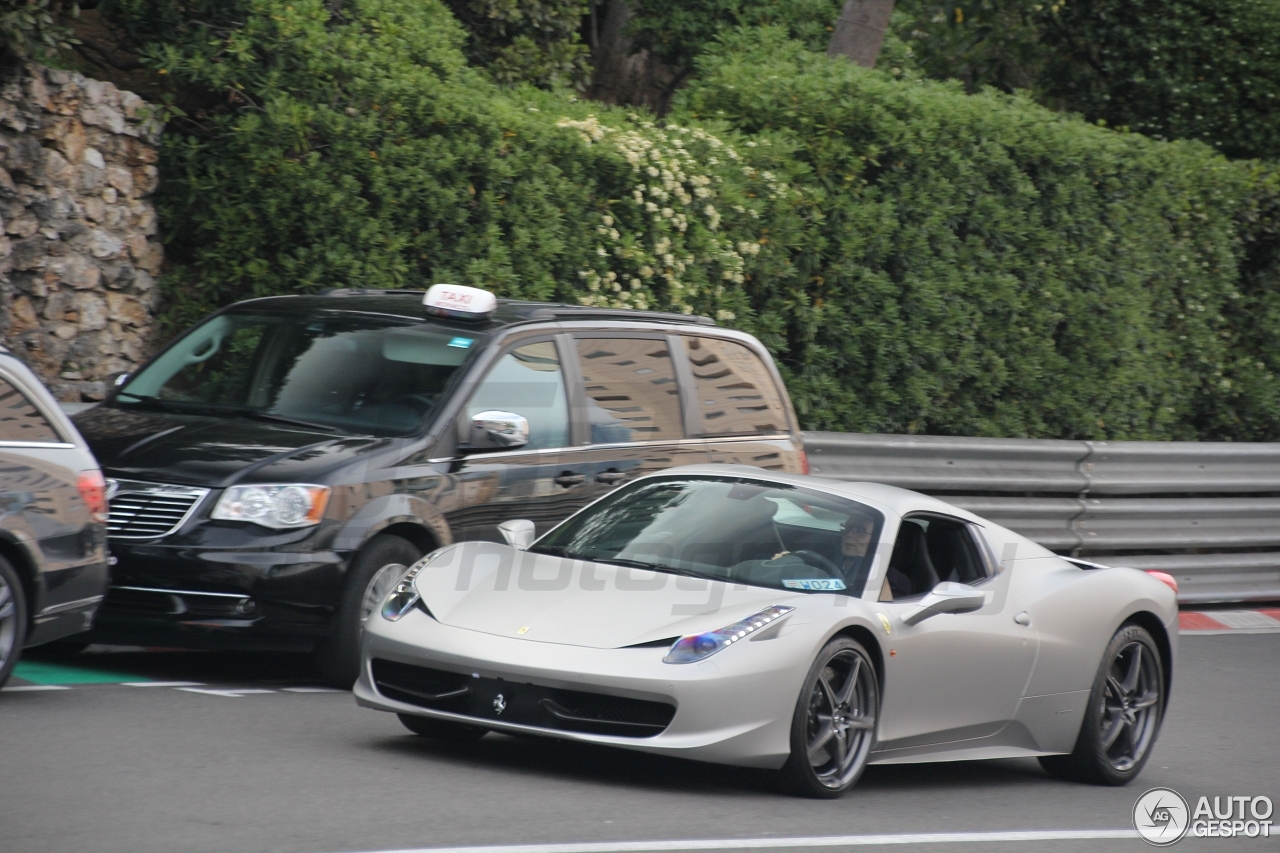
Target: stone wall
[(78, 247)]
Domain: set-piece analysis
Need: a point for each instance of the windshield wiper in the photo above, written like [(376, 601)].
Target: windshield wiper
[(652, 567), (181, 407), (560, 551), (556, 551), (259, 415), (185, 407)]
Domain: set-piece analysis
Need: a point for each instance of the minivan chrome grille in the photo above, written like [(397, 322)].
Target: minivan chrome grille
[(150, 510)]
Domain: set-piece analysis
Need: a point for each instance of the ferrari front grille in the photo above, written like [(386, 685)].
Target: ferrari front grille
[(496, 699)]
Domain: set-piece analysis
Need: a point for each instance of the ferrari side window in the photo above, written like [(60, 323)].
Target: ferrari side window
[(931, 550)]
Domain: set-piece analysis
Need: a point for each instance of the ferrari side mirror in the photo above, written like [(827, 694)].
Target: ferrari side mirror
[(518, 533), (947, 597)]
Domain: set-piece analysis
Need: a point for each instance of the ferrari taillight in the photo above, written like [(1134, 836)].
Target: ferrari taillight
[(93, 489), (1164, 578)]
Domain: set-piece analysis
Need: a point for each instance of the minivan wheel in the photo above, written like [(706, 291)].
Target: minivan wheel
[(834, 725), (13, 619), (373, 574)]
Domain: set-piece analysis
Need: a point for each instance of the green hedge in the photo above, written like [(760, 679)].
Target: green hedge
[(979, 265), (320, 150), (919, 260)]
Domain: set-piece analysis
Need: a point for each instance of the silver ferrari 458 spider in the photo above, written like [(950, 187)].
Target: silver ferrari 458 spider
[(739, 616)]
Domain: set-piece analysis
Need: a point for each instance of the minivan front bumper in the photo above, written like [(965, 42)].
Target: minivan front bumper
[(184, 596)]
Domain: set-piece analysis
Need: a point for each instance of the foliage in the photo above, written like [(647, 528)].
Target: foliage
[(34, 28), (1032, 276), (357, 149), (525, 41), (677, 32), (1190, 69)]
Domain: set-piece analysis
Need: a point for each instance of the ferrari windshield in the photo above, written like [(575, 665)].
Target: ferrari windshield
[(337, 372), (736, 530)]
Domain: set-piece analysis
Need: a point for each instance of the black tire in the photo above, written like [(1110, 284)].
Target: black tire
[(13, 619), (373, 573), (834, 725), (442, 729), (1126, 707)]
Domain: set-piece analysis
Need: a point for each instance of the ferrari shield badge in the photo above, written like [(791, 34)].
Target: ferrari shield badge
[(884, 623)]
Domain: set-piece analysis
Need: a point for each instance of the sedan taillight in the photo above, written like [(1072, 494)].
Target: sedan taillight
[(94, 491)]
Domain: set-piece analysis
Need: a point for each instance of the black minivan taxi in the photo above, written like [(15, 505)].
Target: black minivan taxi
[(275, 470)]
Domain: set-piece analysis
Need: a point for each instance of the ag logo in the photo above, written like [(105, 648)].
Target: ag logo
[(1161, 816), (500, 705)]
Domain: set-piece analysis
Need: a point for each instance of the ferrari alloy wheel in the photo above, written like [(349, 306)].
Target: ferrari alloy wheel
[(834, 726), (13, 619), (442, 729), (1123, 717), (372, 575)]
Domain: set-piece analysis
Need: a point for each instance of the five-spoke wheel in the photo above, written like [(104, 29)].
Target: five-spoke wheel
[(835, 721), (1124, 714)]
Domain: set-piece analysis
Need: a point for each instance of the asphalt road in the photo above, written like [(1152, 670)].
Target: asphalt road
[(110, 768)]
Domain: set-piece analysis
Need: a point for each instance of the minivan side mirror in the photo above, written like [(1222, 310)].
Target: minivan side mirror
[(518, 532), (496, 430), (947, 597)]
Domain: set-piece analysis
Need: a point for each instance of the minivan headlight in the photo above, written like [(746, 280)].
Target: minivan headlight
[(696, 647), (274, 505)]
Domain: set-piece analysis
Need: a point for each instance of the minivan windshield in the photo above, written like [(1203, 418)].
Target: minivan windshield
[(727, 529), (336, 372)]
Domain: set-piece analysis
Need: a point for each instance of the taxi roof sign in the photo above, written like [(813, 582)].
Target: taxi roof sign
[(459, 301)]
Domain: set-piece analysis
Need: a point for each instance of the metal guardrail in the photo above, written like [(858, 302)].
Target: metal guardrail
[(1207, 513)]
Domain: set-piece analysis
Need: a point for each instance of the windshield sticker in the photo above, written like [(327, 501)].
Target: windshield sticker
[(818, 584), (461, 343)]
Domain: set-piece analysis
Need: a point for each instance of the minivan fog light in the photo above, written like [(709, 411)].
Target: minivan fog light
[(279, 506), (696, 647)]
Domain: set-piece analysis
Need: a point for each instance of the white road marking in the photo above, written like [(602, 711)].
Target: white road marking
[(1243, 619), (31, 688), (230, 693), (312, 690), (162, 684), (779, 843)]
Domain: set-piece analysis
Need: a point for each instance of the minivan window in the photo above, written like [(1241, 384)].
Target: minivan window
[(631, 390), (20, 420), (736, 394), (528, 381), (339, 372)]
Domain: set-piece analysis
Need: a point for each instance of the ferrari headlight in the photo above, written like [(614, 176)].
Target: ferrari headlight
[(279, 506), (402, 599), (696, 647)]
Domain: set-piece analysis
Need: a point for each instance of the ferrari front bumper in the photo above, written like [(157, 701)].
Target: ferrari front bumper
[(735, 708)]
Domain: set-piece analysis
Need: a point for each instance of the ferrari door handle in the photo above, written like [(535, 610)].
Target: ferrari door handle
[(1023, 618), (609, 477), (569, 479)]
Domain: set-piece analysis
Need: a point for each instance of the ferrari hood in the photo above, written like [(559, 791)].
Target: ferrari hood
[(496, 589)]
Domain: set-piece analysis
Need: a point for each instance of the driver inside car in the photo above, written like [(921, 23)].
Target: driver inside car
[(855, 541)]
